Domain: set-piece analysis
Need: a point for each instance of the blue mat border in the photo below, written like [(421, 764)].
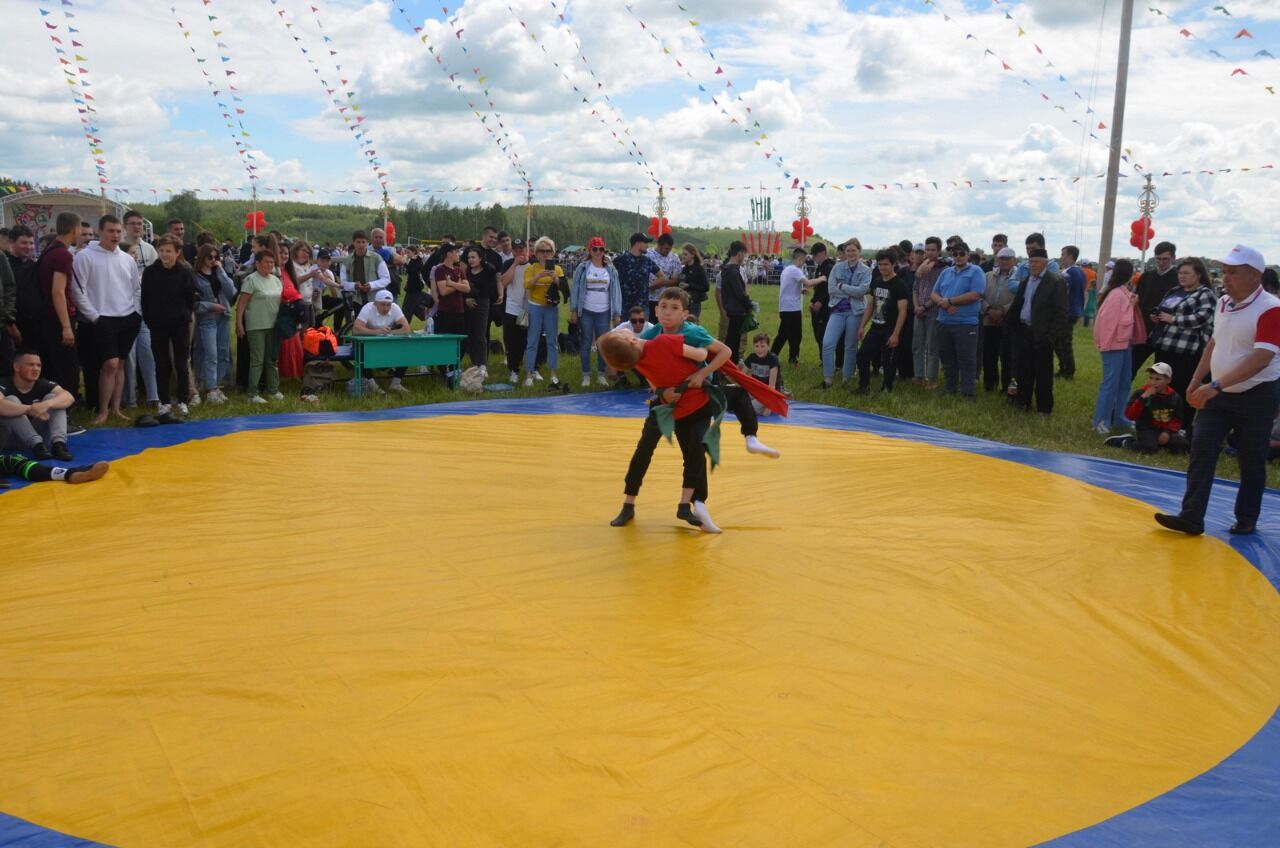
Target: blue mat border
[(1235, 803)]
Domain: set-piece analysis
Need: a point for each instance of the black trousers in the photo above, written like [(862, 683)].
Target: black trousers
[(739, 403), (1064, 347), (61, 363), (1183, 365), (650, 436), (514, 339), (902, 356), (91, 364), (689, 433), (875, 348), (790, 332), (1147, 440), (733, 335), (1141, 353), (995, 359), (477, 324), (1249, 415), (1035, 369), (171, 347), (7, 350)]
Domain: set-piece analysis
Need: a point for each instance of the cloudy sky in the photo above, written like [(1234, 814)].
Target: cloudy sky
[(847, 94)]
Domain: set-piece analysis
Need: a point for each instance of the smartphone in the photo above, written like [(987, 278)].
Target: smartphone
[(549, 264)]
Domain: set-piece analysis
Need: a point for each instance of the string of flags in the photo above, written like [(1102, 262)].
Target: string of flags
[(243, 153), (1236, 64), (725, 99), (482, 79), (963, 184), (348, 107), (76, 75), (706, 48), (1088, 117), (229, 71), (358, 128), (507, 148), (598, 111), (1040, 52)]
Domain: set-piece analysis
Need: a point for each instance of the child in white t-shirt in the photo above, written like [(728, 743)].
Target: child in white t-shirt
[(637, 322)]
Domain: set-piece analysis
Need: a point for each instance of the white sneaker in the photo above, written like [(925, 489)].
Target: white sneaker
[(602, 380), (216, 397), (163, 409), (754, 445), (257, 399), (371, 385), (1102, 430), (528, 381), (484, 369), (397, 386), (277, 396), (195, 399), (586, 381), (708, 526), (555, 381), (182, 409), (514, 378), (537, 376)]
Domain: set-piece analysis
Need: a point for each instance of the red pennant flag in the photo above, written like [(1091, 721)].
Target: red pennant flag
[(1006, 66), (1244, 33), (1239, 72)]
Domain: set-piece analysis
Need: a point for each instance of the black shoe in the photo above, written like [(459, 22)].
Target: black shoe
[(76, 430), (1242, 528), (685, 513), (1177, 522), (862, 390), (1121, 441), (61, 453), (39, 451), (624, 517)]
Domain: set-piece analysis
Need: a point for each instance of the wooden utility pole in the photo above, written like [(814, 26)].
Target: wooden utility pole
[(1117, 135)]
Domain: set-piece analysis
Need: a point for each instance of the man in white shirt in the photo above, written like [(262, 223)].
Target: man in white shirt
[(108, 295), (1242, 397), (669, 264), (791, 290), (382, 317)]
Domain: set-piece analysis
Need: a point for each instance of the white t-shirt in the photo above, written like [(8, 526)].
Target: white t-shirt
[(375, 320), (791, 290), (625, 327), (596, 298), (515, 291), (1240, 329)]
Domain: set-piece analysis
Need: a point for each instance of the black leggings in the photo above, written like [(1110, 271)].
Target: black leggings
[(477, 323), (739, 403), (733, 335), (790, 331), (13, 465), (875, 348), (171, 346)]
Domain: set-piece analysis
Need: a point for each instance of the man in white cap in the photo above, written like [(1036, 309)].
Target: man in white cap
[(382, 317), (1242, 397)]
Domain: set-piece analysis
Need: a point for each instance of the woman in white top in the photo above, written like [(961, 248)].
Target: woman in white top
[(595, 305)]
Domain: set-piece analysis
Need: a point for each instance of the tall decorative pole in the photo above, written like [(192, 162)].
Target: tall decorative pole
[(1147, 204), (255, 209), (1117, 135), (528, 216), (386, 209), (660, 208), (802, 210)]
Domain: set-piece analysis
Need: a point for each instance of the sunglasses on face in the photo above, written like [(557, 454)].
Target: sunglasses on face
[(959, 252), (597, 250)]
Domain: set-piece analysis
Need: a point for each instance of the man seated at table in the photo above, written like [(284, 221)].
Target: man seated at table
[(382, 317), (33, 411)]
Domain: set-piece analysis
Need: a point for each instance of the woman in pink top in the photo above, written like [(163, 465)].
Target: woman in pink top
[(1117, 329)]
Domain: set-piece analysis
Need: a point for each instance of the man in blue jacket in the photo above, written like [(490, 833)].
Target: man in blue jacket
[(958, 295)]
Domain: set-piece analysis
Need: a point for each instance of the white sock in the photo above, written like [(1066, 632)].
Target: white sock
[(700, 510), (754, 445)]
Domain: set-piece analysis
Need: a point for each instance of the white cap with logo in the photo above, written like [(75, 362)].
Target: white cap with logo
[(1242, 254), (1164, 369), (1007, 253), (384, 296)]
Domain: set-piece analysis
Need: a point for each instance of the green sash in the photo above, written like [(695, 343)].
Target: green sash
[(665, 416)]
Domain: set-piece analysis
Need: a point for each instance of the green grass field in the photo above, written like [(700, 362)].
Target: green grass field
[(991, 417)]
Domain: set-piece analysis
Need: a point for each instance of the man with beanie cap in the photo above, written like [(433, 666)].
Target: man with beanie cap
[(1242, 397)]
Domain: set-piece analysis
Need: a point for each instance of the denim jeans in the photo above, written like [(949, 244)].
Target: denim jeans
[(140, 358), (1113, 391), (591, 325), (1250, 414), (958, 351), (206, 354), (924, 348), (838, 323), (543, 319)]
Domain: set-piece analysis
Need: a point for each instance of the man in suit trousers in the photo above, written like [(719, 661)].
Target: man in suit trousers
[(1038, 317)]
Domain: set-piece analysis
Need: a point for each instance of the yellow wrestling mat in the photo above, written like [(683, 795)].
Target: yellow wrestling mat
[(424, 632)]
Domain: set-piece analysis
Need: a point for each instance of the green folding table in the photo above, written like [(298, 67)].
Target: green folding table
[(403, 351)]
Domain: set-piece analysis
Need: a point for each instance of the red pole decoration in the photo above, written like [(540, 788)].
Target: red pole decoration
[(391, 232), (800, 230), (1141, 233), (658, 227), (255, 221)]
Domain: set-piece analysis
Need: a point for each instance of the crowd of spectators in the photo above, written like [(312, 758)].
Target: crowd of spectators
[(115, 321)]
